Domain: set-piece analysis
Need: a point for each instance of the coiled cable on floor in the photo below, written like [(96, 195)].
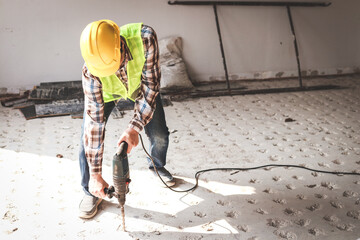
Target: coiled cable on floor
[(197, 174)]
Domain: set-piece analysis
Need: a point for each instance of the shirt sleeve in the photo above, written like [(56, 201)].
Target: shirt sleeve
[(150, 81), (94, 122)]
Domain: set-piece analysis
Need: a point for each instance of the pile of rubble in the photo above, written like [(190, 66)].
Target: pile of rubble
[(47, 100), (51, 99)]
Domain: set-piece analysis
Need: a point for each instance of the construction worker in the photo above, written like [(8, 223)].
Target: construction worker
[(119, 63)]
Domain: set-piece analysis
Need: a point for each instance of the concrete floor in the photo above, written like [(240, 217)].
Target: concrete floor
[(41, 192)]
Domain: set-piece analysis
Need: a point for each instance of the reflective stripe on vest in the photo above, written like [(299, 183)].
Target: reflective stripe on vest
[(112, 86)]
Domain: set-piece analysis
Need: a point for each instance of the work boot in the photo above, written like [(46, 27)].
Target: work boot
[(165, 175), (89, 206)]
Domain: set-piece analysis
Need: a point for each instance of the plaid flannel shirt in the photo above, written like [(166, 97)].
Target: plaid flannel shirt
[(94, 121)]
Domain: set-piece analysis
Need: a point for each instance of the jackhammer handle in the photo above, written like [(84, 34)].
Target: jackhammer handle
[(122, 149), (109, 191)]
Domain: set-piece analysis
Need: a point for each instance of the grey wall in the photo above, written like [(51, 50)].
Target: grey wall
[(39, 39)]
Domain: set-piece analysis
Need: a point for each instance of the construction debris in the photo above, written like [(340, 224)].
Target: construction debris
[(9, 100), (57, 91), (59, 108), (47, 100), (51, 99)]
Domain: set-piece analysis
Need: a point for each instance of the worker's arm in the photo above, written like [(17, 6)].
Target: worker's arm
[(94, 126), (150, 83)]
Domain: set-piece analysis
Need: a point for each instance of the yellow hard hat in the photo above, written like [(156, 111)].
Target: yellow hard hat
[(100, 47)]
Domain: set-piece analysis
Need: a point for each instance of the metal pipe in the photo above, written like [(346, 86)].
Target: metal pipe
[(222, 49), (295, 45), (248, 3)]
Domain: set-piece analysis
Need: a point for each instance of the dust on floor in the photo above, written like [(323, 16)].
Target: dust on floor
[(41, 192)]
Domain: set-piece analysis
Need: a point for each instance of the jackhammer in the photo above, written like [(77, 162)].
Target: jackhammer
[(121, 178)]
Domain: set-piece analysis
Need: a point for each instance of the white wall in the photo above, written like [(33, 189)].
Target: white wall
[(39, 39)]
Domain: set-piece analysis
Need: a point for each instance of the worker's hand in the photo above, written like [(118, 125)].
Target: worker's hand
[(97, 185), (131, 137)]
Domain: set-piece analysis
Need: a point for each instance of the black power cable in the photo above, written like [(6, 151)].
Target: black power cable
[(197, 174)]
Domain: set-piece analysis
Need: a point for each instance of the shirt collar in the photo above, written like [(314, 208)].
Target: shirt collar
[(125, 50)]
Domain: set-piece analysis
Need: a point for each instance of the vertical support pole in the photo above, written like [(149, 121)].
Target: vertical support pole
[(295, 45), (222, 49)]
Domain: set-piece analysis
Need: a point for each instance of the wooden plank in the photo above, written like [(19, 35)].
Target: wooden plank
[(54, 93), (77, 84), (43, 110), (7, 96), (9, 100), (28, 112), (78, 115), (14, 101)]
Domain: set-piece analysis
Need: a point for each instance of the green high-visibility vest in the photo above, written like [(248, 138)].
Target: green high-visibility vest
[(112, 86)]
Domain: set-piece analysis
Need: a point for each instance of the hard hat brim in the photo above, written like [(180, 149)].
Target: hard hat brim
[(103, 72)]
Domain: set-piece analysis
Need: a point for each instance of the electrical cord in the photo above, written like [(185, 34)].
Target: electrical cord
[(197, 174)]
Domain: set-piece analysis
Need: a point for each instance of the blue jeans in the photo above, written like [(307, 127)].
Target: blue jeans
[(156, 130)]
